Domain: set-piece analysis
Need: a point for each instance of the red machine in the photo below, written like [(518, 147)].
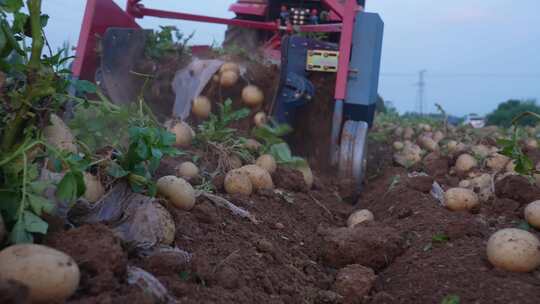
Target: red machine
[(352, 49)]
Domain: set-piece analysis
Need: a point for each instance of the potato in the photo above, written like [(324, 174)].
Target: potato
[(308, 175), (229, 66), (238, 182), (481, 150), (94, 188), (410, 155), (260, 119), (460, 147), (465, 184), (438, 136), (428, 143), (451, 145), (267, 162), (235, 161), (260, 178), (358, 217), (50, 275), (201, 107), (187, 170), (426, 127), (398, 145), (465, 163), (252, 144), (531, 144), (497, 162), (408, 133), (183, 132), (59, 135), (228, 79), (177, 191), (458, 199), (252, 96), (167, 224), (3, 231), (514, 249), (398, 132), (532, 214)]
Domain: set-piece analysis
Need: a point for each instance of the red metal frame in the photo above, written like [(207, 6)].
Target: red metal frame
[(250, 9), (101, 14)]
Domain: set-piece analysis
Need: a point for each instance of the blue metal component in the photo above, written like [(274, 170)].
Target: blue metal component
[(295, 90), (363, 82)]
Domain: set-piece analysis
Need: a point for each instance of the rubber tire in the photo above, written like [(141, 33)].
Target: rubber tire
[(243, 38)]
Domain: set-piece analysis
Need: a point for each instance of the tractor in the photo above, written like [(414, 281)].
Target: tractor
[(303, 36)]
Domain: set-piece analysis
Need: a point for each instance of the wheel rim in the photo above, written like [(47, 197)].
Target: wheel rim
[(353, 151)]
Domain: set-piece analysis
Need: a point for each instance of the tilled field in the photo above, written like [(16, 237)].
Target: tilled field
[(302, 251), (299, 245)]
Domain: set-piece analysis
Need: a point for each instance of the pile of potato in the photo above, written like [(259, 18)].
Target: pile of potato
[(478, 166)]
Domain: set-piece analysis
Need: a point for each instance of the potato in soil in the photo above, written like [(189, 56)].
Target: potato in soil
[(459, 199), (514, 249), (267, 162), (51, 275), (260, 178), (358, 217), (532, 214), (177, 191), (187, 170), (238, 182)]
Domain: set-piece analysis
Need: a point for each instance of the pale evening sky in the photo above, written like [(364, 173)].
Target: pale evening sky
[(477, 53)]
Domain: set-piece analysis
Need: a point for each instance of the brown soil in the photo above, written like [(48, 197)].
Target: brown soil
[(313, 126), (415, 251)]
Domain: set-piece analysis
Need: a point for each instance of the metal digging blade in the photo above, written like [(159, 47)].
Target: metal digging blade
[(122, 49)]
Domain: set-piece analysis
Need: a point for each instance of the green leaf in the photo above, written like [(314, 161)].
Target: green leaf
[(523, 225), (141, 149), (157, 153), (33, 223), (281, 152), (39, 204), (451, 299), (440, 238), (19, 21), (19, 235), (44, 20), (3, 41), (10, 202), (12, 6), (71, 187), (167, 138), (39, 186), (116, 171), (84, 87)]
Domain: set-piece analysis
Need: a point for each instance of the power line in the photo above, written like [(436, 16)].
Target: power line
[(463, 75)]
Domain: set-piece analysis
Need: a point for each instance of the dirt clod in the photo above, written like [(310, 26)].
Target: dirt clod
[(98, 253), (420, 183), (371, 244), (354, 283), (517, 188)]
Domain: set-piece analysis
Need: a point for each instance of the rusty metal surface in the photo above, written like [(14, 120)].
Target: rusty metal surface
[(122, 50)]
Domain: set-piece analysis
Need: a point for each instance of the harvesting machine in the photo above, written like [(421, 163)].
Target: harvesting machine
[(305, 36)]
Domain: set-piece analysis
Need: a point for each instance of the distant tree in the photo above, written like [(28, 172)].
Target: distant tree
[(380, 107), (506, 111)]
